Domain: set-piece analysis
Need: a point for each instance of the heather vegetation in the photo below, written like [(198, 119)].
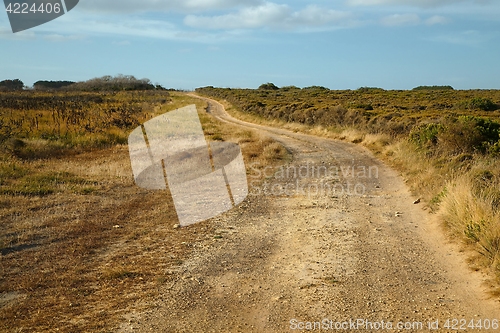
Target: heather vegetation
[(446, 143)]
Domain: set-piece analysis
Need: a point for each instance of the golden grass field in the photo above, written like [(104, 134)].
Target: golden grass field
[(80, 244)]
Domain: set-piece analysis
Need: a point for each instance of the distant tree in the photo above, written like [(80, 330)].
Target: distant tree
[(433, 88), (117, 83), (370, 89), (315, 88), (45, 85), (11, 85), (268, 86), (288, 88)]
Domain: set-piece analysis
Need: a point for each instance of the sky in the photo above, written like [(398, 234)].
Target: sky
[(339, 44)]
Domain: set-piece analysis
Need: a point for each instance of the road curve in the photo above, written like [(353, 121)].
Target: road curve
[(335, 244)]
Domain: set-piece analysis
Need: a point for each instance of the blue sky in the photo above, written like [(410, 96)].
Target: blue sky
[(339, 44)]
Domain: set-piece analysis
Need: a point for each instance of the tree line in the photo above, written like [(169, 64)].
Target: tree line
[(105, 83)]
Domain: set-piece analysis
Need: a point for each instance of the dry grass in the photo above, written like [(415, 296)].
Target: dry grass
[(424, 179), (81, 245), (352, 135), (463, 189), (471, 208)]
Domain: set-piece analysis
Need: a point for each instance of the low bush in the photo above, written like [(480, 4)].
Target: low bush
[(433, 88), (426, 135), (268, 86), (461, 135), (478, 103)]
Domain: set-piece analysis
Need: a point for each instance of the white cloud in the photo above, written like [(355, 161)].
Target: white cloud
[(133, 28), (87, 25), (251, 17), (271, 15), (416, 3), (396, 20), (317, 16), (134, 6), (400, 20), (437, 19), (62, 38)]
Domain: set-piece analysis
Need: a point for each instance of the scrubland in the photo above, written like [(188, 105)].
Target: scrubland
[(446, 143)]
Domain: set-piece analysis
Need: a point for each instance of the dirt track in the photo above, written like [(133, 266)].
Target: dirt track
[(342, 246)]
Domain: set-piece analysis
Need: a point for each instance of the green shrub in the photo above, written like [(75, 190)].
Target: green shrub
[(426, 135), (494, 149), (438, 198), (468, 134), (288, 88), (478, 103), (433, 88), (461, 135), (316, 88), (268, 86), (370, 89), (473, 231)]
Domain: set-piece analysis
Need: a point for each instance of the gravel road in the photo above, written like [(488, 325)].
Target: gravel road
[(331, 242)]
